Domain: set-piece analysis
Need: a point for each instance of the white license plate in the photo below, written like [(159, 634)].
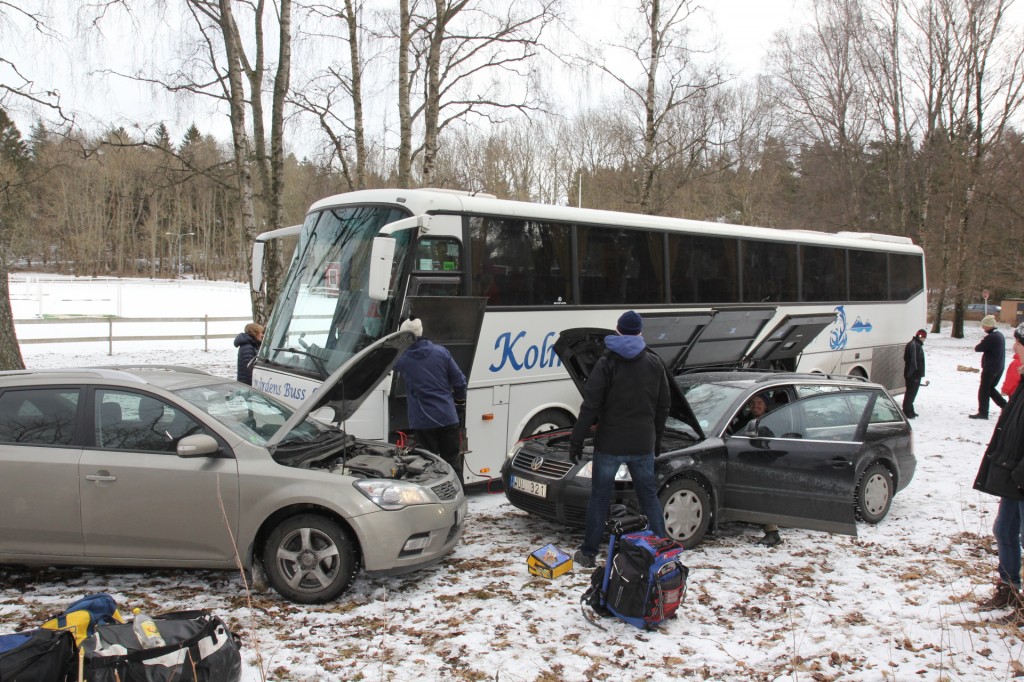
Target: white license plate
[(530, 487)]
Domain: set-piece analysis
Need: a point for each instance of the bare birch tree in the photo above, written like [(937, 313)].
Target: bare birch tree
[(670, 94), (976, 78), (20, 88), (822, 89), (458, 59), (334, 94)]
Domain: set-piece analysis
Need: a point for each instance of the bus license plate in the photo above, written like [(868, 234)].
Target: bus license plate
[(530, 487)]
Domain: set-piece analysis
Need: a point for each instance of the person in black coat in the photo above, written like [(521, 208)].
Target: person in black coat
[(913, 371), (627, 396), (1002, 473), (248, 345), (993, 358)]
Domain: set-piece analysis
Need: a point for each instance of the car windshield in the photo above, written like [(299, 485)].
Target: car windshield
[(710, 402), (251, 414)]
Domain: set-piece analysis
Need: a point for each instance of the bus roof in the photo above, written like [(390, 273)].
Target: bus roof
[(427, 201)]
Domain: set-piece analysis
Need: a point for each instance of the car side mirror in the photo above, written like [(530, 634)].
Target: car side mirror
[(750, 430), (197, 445)]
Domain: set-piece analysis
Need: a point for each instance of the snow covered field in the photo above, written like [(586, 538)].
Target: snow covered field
[(895, 603)]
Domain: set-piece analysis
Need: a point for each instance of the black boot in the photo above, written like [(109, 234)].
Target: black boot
[(770, 539)]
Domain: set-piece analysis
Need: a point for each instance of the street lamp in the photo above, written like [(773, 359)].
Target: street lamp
[(178, 236)]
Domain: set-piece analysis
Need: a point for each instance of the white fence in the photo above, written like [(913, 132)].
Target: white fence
[(50, 309), (110, 329)]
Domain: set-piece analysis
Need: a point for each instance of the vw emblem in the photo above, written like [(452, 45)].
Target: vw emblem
[(535, 465)]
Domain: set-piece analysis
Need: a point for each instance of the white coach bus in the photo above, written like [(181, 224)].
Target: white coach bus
[(496, 281)]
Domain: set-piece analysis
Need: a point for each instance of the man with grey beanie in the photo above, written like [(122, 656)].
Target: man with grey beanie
[(993, 350)]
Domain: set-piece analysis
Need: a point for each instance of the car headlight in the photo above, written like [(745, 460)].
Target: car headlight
[(588, 472), (393, 495), (514, 450)]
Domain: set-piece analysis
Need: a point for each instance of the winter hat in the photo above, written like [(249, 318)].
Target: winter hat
[(414, 325), (988, 321), (630, 323), (1018, 333), (922, 333)]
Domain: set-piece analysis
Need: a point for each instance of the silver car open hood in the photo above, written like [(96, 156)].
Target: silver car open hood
[(346, 389)]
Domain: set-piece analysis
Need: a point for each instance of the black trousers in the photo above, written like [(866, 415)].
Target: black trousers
[(913, 386), (445, 441), (987, 389)]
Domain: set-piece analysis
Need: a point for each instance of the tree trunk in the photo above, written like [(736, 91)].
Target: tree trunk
[(10, 351), (404, 96), (240, 140), (358, 126)]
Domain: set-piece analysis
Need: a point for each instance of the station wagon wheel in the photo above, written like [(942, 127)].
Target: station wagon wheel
[(687, 508), (546, 420), (874, 493), (309, 559)]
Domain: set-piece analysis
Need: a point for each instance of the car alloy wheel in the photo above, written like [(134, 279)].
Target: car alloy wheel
[(874, 493), (687, 508), (309, 559)]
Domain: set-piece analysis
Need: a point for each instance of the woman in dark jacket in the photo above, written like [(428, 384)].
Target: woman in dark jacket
[(248, 345), (1002, 473)]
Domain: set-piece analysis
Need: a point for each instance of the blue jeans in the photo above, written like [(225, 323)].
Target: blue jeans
[(1007, 529), (602, 485)]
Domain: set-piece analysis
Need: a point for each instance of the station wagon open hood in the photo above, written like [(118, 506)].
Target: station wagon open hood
[(581, 348), (346, 389)]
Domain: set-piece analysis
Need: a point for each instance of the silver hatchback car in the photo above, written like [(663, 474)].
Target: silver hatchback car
[(167, 466)]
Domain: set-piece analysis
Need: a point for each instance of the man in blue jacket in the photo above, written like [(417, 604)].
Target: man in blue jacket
[(435, 395), (627, 394), (993, 358)]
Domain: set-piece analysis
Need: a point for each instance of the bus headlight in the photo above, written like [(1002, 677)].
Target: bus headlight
[(393, 495), (588, 472)]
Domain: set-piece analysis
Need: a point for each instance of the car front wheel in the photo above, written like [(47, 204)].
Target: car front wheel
[(309, 559), (687, 508), (874, 493)]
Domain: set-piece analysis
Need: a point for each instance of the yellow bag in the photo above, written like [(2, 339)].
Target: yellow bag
[(82, 617)]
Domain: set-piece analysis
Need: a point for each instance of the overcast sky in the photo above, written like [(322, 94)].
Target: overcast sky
[(744, 27)]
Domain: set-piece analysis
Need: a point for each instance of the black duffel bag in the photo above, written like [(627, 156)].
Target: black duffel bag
[(199, 648), (37, 656)]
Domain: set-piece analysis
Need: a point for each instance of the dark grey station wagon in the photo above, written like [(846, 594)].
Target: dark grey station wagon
[(830, 451)]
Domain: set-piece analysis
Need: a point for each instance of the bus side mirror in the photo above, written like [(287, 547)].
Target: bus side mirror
[(258, 250), (382, 256)]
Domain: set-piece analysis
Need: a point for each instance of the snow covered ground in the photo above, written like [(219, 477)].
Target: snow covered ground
[(895, 603)]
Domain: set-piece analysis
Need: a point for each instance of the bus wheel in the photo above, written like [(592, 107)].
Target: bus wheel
[(858, 372), (547, 420)]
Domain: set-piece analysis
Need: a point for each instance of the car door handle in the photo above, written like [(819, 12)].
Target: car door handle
[(101, 477), (840, 463)]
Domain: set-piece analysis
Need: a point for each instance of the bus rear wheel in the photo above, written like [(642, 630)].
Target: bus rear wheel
[(546, 420)]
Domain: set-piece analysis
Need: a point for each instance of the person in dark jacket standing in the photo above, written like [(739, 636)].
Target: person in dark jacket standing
[(627, 394), (993, 350), (1002, 473), (248, 345), (913, 371), (436, 395)]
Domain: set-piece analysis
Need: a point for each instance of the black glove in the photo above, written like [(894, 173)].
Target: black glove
[(460, 410), (575, 453)]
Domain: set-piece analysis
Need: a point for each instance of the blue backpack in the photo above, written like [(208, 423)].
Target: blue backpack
[(643, 581)]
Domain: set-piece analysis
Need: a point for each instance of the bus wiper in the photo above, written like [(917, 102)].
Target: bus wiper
[(320, 367)]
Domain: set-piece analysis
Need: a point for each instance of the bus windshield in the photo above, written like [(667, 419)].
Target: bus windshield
[(323, 315)]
